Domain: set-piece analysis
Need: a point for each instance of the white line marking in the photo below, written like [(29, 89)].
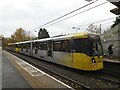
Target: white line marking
[(29, 69), (41, 71), (47, 75), (24, 68)]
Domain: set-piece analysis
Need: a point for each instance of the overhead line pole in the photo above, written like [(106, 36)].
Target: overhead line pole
[(93, 23)]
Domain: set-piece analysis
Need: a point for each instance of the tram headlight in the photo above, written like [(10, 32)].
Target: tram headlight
[(93, 60)]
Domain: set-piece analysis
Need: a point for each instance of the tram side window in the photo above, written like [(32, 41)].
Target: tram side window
[(87, 47), (24, 45), (21, 46), (57, 46), (40, 46), (66, 46), (43, 45), (35, 45), (13, 46), (29, 45), (17, 46)]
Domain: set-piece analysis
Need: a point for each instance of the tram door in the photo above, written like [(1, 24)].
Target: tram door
[(50, 48)]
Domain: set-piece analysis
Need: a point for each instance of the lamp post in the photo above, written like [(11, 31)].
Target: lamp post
[(88, 0), (30, 34), (35, 34), (76, 28)]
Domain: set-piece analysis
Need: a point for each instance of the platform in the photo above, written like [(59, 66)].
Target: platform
[(20, 74), (0, 68), (113, 60), (11, 78)]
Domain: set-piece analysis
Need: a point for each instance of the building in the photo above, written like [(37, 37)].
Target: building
[(116, 11), (112, 36), (109, 37)]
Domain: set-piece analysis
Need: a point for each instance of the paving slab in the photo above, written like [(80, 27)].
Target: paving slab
[(34, 76), (11, 78)]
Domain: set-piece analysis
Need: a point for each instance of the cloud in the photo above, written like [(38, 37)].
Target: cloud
[(30, 14)]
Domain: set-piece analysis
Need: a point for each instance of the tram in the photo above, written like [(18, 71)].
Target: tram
[(80, 50)]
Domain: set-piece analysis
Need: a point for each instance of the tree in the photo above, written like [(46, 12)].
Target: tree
[(117, 21), (5, 41), (43, 33), (94, 28), (18, 35)]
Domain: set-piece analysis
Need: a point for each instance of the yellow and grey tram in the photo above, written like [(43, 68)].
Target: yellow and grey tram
[(80, 50)]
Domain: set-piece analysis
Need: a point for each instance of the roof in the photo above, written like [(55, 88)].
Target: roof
[(115, 11), (116, 3), (65, 37)]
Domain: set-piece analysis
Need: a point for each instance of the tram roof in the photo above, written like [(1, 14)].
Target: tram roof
[(13, 43), (64, 37), (53, 38), (24, 42)]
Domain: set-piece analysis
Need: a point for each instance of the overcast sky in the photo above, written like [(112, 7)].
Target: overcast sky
[(29, 14)]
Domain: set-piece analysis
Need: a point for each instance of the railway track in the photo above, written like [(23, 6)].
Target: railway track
[(108, 77), (76, 79), (118, 75), (62, 78)]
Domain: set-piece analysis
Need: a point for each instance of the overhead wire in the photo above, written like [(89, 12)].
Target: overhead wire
[(48, 24), (65, 15), (85, 11), (79, 13), (98, 21), (69, 29)]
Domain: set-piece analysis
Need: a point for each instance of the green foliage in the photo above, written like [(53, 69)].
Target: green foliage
[(43, 33)]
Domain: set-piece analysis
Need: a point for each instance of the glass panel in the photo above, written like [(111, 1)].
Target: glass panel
[(96, 44), (82, 46), (97, 48), (57, 46)]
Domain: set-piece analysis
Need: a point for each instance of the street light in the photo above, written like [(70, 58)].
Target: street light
[(76, 28), (31, 35), (88, 0)]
